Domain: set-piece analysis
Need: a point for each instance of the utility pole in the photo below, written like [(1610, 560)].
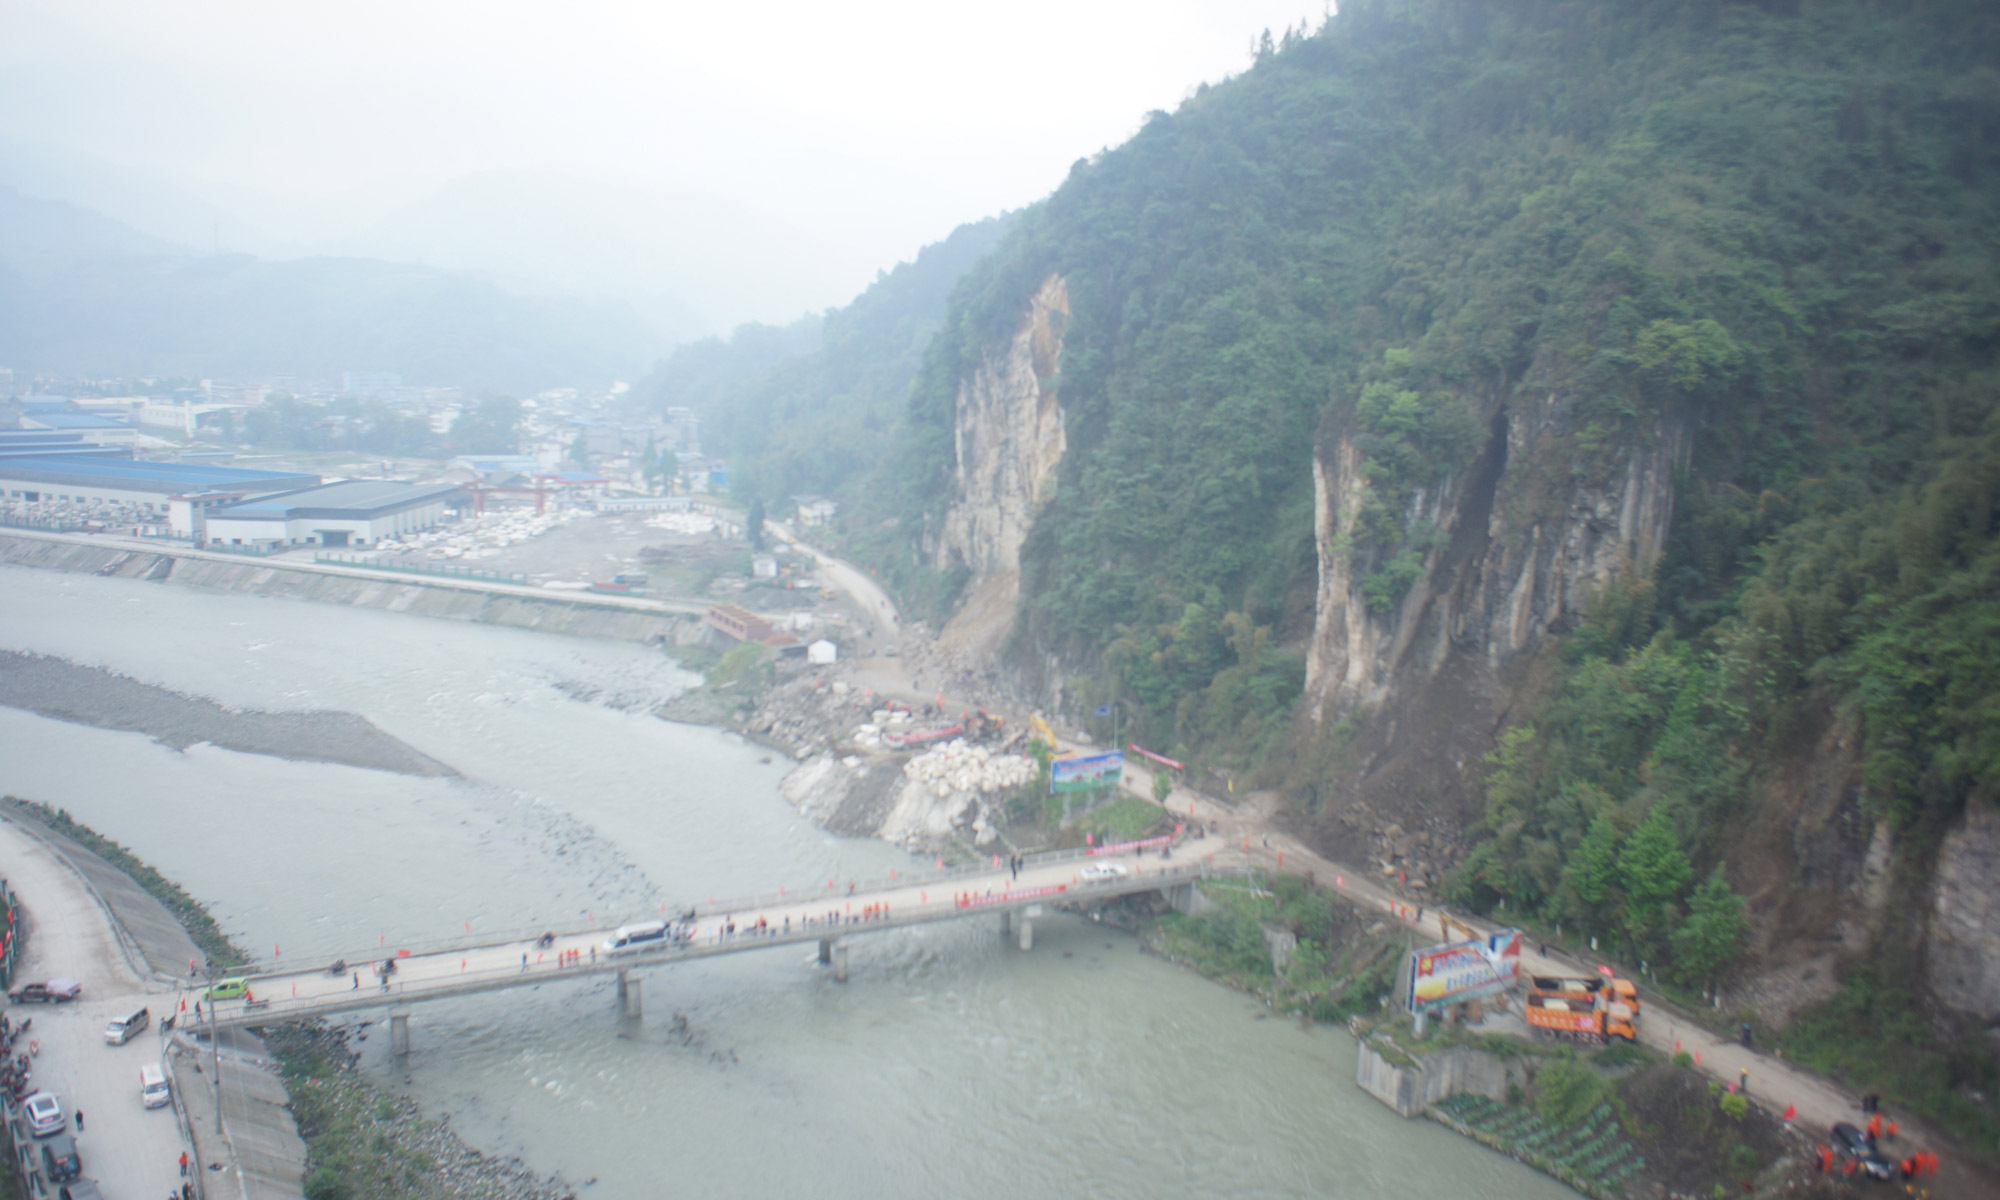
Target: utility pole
[(214, 1048)]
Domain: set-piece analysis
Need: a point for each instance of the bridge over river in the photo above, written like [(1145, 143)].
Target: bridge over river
[(829, 915)]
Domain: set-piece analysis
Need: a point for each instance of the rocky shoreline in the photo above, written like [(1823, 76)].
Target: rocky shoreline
[(340, 1114)]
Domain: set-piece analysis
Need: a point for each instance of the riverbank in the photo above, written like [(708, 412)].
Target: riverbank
[(361, 1143), (615, 618)]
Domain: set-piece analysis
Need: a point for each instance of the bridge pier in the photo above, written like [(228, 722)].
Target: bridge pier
[(628, 994), (399, 1033), (840, 961), (1006, 924), (1028, 916), (1186, 899), (825, 951)]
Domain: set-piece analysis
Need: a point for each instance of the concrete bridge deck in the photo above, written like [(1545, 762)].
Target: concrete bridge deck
[(827, 916)]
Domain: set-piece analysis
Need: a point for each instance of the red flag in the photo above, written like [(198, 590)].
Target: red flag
[(1791, 1110)]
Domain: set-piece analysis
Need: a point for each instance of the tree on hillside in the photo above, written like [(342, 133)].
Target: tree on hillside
[(1593, 869), (579, 451), (1653, 870), (492, 426), (1714, 934), (754, 523)]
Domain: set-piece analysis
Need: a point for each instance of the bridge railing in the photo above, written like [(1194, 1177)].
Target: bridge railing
[(275, 1001), (942, 885)]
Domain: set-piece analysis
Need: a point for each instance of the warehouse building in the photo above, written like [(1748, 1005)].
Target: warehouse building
[(356, 512), (82, 478)]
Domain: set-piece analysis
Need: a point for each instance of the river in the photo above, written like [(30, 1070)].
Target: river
[(950, 1065)]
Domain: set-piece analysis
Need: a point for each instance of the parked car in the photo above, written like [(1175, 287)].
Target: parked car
[(124, 1029), (60, 1159), (45, 1114), (79, 1189), (1850, 1142), (55, 991)]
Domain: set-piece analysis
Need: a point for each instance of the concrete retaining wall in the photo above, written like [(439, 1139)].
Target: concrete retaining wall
[(264, 578), (1446, 1071)]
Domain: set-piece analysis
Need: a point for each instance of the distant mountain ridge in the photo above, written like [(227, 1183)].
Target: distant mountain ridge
[(81, 293)]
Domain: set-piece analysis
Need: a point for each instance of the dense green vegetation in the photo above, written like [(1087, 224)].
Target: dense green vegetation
[(1764, 227), (1334, 972), (1764, 220)]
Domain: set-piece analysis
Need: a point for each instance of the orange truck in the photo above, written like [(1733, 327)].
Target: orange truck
[(1583, 1010)]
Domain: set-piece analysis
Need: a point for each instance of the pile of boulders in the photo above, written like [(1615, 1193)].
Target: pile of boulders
[(953, 790)]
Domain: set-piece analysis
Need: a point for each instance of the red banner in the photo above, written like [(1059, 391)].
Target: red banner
[(1162, 759), (1010, 897)]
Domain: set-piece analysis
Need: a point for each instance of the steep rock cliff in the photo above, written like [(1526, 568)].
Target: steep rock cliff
[(1526, 533), (1964, 951), (1008, 439)]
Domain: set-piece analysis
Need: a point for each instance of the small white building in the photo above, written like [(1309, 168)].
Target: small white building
[(815, 510), (822, 653), (763, 566)]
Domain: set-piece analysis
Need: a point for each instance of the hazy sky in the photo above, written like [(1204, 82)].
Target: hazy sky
[(872, 126)]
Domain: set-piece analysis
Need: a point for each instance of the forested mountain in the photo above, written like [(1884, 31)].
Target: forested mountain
[(83, 294), (808, 408), (1562, 430)]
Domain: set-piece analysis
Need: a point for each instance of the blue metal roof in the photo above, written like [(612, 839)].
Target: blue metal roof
[(81, 471), (70, 420)]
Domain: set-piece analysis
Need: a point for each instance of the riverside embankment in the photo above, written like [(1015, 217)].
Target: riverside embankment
[(487, 602)]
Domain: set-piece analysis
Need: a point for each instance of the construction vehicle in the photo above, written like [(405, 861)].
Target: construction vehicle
[(1048, 736), (983, 726), (1583, 1010)]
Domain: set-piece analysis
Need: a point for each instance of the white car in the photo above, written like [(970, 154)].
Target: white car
[(1098, 872), (45, 1114)]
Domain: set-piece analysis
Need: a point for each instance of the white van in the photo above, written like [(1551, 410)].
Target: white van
[(124, 1030), (153, 1090), (630, 939)]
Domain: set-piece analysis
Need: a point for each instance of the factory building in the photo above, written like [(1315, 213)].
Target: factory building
[(356, 512), (84, 478)]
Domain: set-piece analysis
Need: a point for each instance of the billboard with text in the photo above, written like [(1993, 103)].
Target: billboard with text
[(1453, 973), (1079, 773)]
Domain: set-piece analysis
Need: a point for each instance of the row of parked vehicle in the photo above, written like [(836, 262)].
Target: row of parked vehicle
[(42, 1111)]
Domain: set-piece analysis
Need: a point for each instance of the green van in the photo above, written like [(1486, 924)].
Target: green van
[(227, 989)]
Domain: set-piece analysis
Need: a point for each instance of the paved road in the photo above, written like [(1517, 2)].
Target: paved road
[(817, 912), (129, 1149)]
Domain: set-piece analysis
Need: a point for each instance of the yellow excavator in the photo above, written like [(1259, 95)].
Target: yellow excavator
[(1042, 730)]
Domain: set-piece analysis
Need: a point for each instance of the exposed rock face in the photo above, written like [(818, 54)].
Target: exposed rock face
[(1009, 440), (1964, 951), (1009, 433), (1515, 559)]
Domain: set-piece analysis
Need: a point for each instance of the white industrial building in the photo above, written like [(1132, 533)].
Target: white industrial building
[(357, 512)]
